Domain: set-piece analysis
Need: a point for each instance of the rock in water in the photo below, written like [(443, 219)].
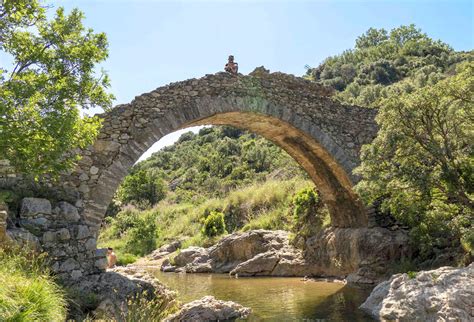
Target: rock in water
[(443, 294), (210, 309)]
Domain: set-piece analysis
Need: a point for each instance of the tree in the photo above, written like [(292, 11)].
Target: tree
[(421, 162), (144, 188), (53, 75)]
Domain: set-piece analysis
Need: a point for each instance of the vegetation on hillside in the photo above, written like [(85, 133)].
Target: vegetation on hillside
[(267, 205), (52, 76), (421, 163), (420, 166), (385, 64), (206, 165)]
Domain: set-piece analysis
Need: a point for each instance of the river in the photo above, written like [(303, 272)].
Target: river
[(274, 298)]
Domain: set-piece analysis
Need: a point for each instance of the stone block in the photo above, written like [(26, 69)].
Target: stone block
[(91, 244), (49, 237), (76, 274), (68, 212), (24, 238), (83, 232), (63, 234), (31, 207), (69, 265), (101, 263)]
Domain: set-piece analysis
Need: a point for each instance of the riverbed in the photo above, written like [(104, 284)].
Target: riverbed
[(274, 298)]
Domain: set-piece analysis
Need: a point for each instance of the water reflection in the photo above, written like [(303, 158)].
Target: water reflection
[(274, 299)]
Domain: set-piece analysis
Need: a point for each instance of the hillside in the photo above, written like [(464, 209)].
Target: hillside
[(386, 63)]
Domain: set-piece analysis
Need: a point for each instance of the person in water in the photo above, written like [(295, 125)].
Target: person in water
[(231, 66), (111, 257)]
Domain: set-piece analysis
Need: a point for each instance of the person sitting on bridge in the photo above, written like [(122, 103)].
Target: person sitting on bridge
[(111, 257), (231, 66)]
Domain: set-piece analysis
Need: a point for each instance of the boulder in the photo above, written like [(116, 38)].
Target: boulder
[(165, 250), (113, 289), (362, 255), (443, 294), (261, 264), (191, 255), (31, 207), (210, 309)]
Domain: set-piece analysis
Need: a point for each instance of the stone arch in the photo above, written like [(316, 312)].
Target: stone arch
[(323, 136)]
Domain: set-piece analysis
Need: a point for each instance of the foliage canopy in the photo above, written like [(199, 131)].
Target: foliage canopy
[(52, 76)]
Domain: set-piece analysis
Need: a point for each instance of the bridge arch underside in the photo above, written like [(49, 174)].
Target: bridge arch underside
[(332, 176)]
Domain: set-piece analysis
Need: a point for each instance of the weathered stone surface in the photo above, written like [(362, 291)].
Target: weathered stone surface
[(101, 263), (443, 294), (83, 232), (68, 212), (49, 237), (31, 207), (69, 265), (33, 224), (359, 254), (91, 244), (165, 250), (261, 264), (63, 234), (24, 238), (115, 287), (210, 309), (191, 255)]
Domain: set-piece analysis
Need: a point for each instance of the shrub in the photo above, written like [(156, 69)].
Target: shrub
[(125, 259), (309, 214), (141, 238), (214, 224), (26, 293)]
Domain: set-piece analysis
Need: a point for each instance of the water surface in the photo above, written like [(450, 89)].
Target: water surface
[(274, 298)]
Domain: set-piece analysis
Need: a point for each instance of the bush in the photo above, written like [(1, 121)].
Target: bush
[(26, 293), (214, 224), (125, 259), (309, 214), (141, 238)]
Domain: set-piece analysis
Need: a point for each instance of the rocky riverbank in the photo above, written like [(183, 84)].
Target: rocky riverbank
[(443, 294), (361, 255)]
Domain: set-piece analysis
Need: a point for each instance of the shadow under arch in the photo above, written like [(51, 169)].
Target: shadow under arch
[(331, 179)]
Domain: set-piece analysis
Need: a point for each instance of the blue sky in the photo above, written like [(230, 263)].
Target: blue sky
[(153, 43)]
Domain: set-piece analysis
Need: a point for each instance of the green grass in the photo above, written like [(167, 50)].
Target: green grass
[(27, 291), (258, 206)]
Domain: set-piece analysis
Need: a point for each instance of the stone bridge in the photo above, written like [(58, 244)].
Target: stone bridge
[(322, 135)]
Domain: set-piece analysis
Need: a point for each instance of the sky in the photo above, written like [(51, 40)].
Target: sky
[(153, 43)]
